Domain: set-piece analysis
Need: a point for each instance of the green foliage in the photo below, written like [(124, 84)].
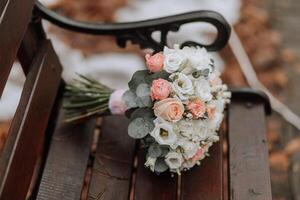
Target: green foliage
[(140, 127), (160, 165)]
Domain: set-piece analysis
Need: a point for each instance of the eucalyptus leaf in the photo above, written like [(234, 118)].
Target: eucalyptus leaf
[(142, 112), (143, 90), (160, 165), (165, 151), (144, 101), (161, 74), (205, 72), (148, 140), (141, 76), (154, 151), (140, 127), (130, 99)]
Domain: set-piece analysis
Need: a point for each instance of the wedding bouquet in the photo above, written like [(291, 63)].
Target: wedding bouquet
[(175, 106)]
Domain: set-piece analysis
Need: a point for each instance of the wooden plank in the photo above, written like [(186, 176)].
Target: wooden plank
[(205, 182), (248, 152), (225, 177), (3, 4), (113, 161), (14, 18), (30, 44), (26, 134), (150, 186), (67, 160)]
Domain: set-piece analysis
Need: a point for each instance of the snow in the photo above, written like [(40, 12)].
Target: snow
[(115, 69)]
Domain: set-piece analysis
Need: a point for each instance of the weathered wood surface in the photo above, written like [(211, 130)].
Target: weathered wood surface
[(14, 17), (205, 182), (68, 156), (26, 135), (113, 161), (150, 186), (248, 152)]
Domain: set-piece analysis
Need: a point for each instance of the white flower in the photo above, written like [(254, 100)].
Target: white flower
[(219, 104), (174, 160), (163, 133), (182, 85), (189, 148), (198, 57), (173, 60), (203, 131), (150, 163), (216, 121), (186, 128), (214, 78), (202, 90), (188, 164)]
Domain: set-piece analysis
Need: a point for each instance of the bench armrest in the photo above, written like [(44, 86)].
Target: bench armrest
[(140, 32)]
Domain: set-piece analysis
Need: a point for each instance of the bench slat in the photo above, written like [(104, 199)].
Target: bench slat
[(67, 161), (204, 182), (26, 134), (248, 152), (113, 161), (14, 17), (30, 44), (151, 186)]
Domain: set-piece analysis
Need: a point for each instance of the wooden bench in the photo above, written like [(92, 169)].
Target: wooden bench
[(44, 158)]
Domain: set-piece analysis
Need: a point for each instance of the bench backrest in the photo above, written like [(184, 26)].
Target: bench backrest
[(43, 76)]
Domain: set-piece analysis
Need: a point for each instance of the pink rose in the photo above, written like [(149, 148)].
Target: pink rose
[(170, 109), (196, 107), (160, 89), (211, 110), (199, 154), (155, 63)]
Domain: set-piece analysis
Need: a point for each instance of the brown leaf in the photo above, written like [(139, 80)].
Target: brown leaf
[(4, 127), (279, 160), (292, 147)]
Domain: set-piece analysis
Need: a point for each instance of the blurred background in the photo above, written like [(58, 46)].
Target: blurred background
[(269, 32)]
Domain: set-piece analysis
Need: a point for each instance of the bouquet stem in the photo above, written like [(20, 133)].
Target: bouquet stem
[(85, 98)]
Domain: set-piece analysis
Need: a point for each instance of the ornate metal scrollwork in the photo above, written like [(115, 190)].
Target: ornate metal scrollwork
[(140, 32)]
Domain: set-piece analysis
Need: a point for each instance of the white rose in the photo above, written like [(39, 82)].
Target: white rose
[(173, 60), (198, 57), (182, 85), (174, 160), (203, 90), (150, 163), (163, 133)]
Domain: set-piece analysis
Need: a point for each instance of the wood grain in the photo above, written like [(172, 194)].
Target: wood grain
[(113, 161), (248, 152), (151, 186), (26, 135), (205, 182), (14, 17), (68, 156)]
